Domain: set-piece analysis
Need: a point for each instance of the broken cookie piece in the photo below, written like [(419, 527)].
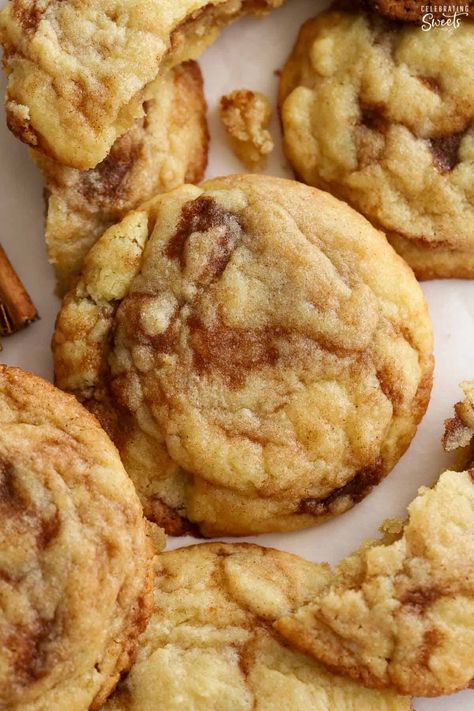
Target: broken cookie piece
[(459, 430), (400, 613), (164, 149), (80, 70), (246, 115), (210, 645)]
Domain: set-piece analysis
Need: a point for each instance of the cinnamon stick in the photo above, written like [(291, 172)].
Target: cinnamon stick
[(16, 308)]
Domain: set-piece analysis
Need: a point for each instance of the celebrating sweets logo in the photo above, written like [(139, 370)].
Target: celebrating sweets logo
[(444, 16)]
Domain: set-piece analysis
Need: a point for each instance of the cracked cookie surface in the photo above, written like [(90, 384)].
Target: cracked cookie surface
[(75, 561), (79, 70), (381, 114), (401, 614), (258, 352), (210, 646), (165, 148)]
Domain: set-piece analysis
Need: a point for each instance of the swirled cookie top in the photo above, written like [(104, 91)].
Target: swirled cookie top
[(79, 69), (268, 333), (398, 614), (74, 557), (210, 646), (165, 148), (382, 115)]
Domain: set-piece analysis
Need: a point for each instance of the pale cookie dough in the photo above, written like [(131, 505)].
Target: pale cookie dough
[(401, 614), (165, 148), (80, 70), (381, 115), (258, 352), (246, 115), (75, 561), (210, 646)]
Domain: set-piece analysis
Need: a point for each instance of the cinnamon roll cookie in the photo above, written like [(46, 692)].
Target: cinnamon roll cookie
[(165, 148), (256, 349), (79, 71), (75, 561), (210, 646), (381, 114), (400, 613)]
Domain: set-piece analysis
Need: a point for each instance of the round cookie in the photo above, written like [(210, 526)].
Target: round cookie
[(165, 148), (258, 352), (210, 646), (79, 71), (381, 114), (75, 560), (399, 613)]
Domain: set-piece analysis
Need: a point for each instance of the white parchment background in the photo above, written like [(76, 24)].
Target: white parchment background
[(246, 56)]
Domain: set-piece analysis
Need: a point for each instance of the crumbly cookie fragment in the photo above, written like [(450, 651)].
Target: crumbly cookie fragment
[(75, 560), (256, 372), (80, 70), (401, 615), (246, 115), (459, 430), (381, 114), (165, 148), (210, 646)]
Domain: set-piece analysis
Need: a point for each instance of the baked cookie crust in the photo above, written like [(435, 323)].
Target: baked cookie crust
[(210, 646), (165, 148), (75, 560), (401, 614), (79, 71), (381, 114), (257, 351)]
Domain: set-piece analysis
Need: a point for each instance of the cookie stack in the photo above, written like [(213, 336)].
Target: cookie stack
[(234, 357)]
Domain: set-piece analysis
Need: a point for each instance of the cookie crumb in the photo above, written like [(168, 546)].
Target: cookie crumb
[(157, 536), (459, 430), (246, 115)]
